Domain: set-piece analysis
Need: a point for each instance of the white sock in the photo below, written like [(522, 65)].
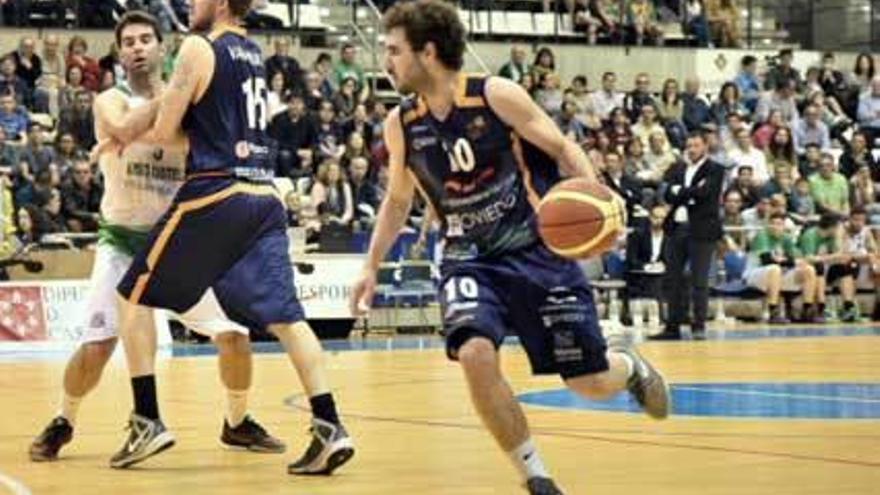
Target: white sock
[(236, 406), (527, 461), (630, 365), (69, 407)]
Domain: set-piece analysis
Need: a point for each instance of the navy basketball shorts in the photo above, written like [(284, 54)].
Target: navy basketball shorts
[(221, 234), (542, 298)]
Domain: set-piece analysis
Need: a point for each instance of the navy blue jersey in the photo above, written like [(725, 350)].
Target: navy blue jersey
[(227, 127), (483, 180)]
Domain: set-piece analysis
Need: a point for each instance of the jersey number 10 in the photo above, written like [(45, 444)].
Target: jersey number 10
[(257, 106)]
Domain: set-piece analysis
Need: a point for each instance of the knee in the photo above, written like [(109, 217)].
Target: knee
[(99, 352), (478, 354), (232, 342), (808, 272), (594, 387), (774, 271)]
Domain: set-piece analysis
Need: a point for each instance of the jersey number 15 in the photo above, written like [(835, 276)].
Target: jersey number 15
[(257, 106)]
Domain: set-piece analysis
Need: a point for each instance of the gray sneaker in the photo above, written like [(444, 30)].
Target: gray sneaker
[(647, 385), (542, 486), (331, 447), (146, 438)]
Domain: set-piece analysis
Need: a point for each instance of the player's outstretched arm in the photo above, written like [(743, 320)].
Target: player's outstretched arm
[(189, 81), (515, 107), (392, 213)]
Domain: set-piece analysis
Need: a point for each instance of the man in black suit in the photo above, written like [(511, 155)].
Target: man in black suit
[(646, 253), (693, 190)]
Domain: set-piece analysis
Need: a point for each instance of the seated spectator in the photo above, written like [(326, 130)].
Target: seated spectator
[(723, 18), (355, 147), (364, 192), (863, 193), (376, 114), (860, 247), (646, 251), (781, 183), (77, 56), (345, 100), (728, 102), (360, 123), (583, 20), (831, 113), (596, 147), (313, 96), (608, 98), (775, 264), (11, 83), (276, 98), (49, 218), (545, 63), (579, 94), (729, 129), (636, 99), (26, 233), (735, 237), (833, 81), (696, 23), (331, 195), (811, 161), (111, 63), (863, 72), (517, 66), (659, 158), (696, 110), (624, 184), (36, 156), (811, 129), (802, 205), (619, 130), (348, 68), (743, 182), (8, 154), (748, 83), (858, 155), (297, 137), (781, 148), (830, 189), (282, 63), (81, 199), (671, 111), (634, 160), (755, 217), (744, 155), (647, 124), (322, 67), (50, 80), (783, 99), (568, 123), (66, 152), (610, 16), (548, 96), (763, 135), (642, 19), (14, 120), (869, 111), (717, 150), (528, 84), (72, 87), (79, 121), (820, 245), (783, 72)]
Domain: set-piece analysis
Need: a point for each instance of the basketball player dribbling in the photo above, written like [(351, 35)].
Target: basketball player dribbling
[(483, 154), (225, 233), (139, 187)]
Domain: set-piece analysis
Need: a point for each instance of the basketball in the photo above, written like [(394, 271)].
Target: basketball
[(580, 218)]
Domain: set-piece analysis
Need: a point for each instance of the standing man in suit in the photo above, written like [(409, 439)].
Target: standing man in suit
[(694, 227)]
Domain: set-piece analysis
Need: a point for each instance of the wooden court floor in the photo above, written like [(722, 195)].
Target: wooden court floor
[(415, 431)]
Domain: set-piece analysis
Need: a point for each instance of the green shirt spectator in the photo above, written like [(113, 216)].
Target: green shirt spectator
[(347, 67), (830, 189), (816, 242), (771, 246)]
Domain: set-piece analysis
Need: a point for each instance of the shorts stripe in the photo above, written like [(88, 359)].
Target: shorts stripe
[(185, 207), (534, 197)]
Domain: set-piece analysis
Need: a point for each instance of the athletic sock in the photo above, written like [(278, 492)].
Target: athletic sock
[(69, 407), (144, 388), (236, 406), (526, 460), (324, 408), (630, 365)]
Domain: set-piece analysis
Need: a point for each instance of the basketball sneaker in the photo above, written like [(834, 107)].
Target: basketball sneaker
[(331, 447), (46, 446), (250, 435), (542, 486), (146, 438), (646, 384)]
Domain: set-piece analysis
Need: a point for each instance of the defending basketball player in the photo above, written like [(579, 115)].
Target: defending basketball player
[(140, 185), (484, 153), (225, 234)]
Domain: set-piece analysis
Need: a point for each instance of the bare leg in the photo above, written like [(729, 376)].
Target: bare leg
[(138, 333), (305, 353), (83, 371), (602, 386), (235, 360)]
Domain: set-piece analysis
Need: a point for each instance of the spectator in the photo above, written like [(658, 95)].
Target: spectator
[(170, 59), (364, 192), (728, 102), (330, 138), (528, 84), (29, 66), (863, 191), (111, 63), (313, 95), (763, 135), (782, 74), (696, 108), (583, 20), (297, 136), (659, 158), (348, 68), (860, 247), (744, 183), (597, 152), (545, 63), (36, 156), (346, 99), (859, 155), (671, 110), (696, 23), (108, 80), (376, 121), (66, 152), (782, 99), (694, 226), (811, 162), (635, 163), (81, 199), (355, 147), (11, 83), (13, 119), (821, 246), (80, 121), (277, 96), (323, 66), (781, 149), (73, 86), (608, 98), (619, 131), (646, 252), (863, 73), (8, 154), (748, 83), (77, 57), (549, 95), (735, 238), (869, 111), (830, 189), (580, 95), (636, 100), (25, 231), (734, 123), (717, 151), (568, 123), (642, 19), (647, 124), (517, 66), (775, 264), (723, 18), (331, 195), (53, 73), (744, 155), (831, 113), (811, 129), (802, 205), (282, 63), (781, 183), (624, 184), (49, 219), (359, 123), (755, 217), (832, 80), (610, 16)]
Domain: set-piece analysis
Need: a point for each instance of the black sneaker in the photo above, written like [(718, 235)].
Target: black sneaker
[(250, 435), (542, 486), (146, 438), (646, 384), (331, 447), (46, 446)]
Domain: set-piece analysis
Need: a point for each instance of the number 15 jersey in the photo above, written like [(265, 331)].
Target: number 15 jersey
[(483, 180), (227, 126)]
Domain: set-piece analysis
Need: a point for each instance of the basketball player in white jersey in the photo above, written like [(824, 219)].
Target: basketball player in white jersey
[(861, 247), (140, 183)]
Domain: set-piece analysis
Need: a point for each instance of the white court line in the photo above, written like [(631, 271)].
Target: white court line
[(14, 485), (828, 398)]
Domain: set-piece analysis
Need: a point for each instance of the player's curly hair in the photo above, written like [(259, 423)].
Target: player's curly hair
[(430, 21), (240, 8)]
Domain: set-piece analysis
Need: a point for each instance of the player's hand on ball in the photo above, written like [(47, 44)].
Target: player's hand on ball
[(362, 294)]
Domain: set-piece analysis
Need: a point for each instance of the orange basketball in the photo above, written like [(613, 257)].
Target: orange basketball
[(579, 218)]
